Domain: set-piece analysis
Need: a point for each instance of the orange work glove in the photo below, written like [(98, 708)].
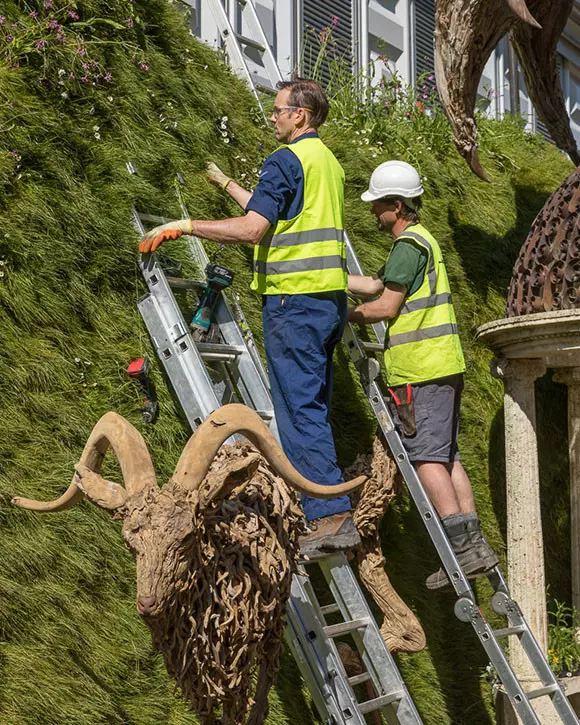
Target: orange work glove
[(155, 238)]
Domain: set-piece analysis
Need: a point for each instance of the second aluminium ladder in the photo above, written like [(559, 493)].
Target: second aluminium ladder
[(240, 374)]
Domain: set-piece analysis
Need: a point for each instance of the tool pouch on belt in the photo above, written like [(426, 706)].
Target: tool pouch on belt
[(403, 398)]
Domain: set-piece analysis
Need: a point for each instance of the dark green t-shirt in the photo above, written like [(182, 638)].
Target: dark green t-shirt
[(405, 266)]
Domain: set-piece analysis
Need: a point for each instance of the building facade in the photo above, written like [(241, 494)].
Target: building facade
[(392, 36)]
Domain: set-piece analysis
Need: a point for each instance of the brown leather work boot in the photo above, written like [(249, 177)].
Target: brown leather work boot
[(329, 534)]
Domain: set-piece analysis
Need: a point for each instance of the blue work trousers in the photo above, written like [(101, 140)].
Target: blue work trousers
[(300, 334)]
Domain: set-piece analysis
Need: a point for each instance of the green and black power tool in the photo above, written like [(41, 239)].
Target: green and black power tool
[(217, 279)]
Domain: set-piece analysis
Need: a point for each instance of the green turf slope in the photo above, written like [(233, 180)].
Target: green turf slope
[(84, 89)]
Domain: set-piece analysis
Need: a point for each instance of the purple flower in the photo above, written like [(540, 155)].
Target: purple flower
[(129, 23), (143, 66), (334, 19), (108, 77), (9, 38), (53, 24), (2, 19), (430, 78), (14, 26), (85, 79), (40, 44), (33, 14), (80, 51), (14, 153), (48, 4), (73, 15), (424, 95)]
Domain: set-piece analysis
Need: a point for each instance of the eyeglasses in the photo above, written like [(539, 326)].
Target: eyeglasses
[(277, 110)]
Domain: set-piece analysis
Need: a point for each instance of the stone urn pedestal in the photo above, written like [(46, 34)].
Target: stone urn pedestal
[(525, 347)]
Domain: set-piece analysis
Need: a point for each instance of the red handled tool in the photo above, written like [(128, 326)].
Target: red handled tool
[(139, 370)]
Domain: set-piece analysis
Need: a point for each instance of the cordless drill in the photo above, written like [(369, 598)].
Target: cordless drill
[(217, 279)]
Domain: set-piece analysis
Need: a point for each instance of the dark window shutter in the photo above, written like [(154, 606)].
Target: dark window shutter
[(318, 15), (424, 37)]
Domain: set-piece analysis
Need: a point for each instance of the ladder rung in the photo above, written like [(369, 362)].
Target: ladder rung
[(372, 346), (359, 679), (378, 702), (335, 630), (251, 43), (508, 631), (541, 691), (179, 283), (265, 414), (153, 218), (217, 351), (330, 609)]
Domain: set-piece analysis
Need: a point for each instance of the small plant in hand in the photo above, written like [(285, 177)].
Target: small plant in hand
[(563, 643)]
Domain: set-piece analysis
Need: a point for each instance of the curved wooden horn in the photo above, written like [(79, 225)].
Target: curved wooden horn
[(520, 8), (202, 447), (112, 430)]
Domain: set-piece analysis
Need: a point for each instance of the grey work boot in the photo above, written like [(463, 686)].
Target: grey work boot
[(475, 557), (329, 534), (486, 553)]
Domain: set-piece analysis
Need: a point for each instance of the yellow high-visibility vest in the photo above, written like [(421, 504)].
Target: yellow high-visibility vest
[(422, 342), (307, 254)]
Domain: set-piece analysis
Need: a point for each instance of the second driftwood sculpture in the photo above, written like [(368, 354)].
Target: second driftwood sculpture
[(213, 570)]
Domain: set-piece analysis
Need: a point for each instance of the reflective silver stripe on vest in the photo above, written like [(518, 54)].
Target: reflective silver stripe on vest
[(293, 239), (424, 302), (431, 274), (334, 261), (424, 334)]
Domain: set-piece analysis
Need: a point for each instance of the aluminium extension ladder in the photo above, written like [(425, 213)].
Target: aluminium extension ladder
[(466, 608), (238, 375)]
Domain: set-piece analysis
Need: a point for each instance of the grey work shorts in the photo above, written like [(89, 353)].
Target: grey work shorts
[(437, 420)]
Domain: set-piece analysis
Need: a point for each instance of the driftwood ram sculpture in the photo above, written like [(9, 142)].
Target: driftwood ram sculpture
[(213, 573), (467, 31)]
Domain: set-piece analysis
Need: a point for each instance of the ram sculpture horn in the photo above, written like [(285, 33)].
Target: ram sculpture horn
[(466, 33)]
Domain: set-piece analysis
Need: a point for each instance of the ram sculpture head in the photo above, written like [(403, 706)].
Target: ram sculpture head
[(215, 550)]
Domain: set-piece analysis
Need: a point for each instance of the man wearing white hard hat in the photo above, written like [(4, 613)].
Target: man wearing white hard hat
[(423, 358)]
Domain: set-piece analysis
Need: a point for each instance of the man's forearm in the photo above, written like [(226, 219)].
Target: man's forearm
[(369, 312), (227, 231), (239, 194), (364, 286)]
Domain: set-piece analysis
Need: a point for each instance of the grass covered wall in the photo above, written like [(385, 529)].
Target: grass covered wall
[(85, 88)]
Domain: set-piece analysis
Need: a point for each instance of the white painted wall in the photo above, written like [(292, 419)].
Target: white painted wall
[(390, 25)]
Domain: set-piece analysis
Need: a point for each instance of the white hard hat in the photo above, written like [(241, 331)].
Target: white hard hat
[(394, 178)]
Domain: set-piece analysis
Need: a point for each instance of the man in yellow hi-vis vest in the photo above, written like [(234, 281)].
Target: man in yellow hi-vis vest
[(295, 220), (423, 358)]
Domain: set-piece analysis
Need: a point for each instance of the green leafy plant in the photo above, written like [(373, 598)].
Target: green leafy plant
[(563, 642)]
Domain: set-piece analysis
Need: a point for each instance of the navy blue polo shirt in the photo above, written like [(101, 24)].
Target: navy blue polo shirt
[(279, 194)]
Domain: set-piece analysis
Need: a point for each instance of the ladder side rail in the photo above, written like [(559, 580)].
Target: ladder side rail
[(431, 520), (173, 343), (377, 659), (235, 55), (312, 680), (245, 337), (353, 266), (423, 504), (332, 679), (252, 380), (503, 604), (250, 16)]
